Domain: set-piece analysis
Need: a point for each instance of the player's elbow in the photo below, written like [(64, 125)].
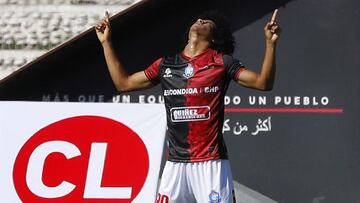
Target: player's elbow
[(264, 89), (120, 89), (267, 89), (123, 87), (265, 86)]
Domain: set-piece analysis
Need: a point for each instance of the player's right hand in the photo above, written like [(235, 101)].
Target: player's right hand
[(103, 29)]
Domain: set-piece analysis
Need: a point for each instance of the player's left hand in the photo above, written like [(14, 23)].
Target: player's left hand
[(272, 29)]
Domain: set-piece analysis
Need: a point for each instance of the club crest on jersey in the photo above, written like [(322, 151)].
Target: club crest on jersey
[(214, 197), (189, 72)]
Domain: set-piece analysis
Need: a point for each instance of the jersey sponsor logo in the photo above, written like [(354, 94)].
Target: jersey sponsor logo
[(214, 197), (167, 73), (191, 113), (189, 72), (182, 91), (211, 89)]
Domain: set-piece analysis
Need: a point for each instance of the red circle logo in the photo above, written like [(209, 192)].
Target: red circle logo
[(81, 159)]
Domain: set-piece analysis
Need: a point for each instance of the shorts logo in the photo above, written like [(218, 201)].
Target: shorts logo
[(167, 73), (214, 197), (189, 72), (191, 113)]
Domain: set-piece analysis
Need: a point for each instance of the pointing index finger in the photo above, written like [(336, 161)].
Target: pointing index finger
[(107, 17), (273, 17)]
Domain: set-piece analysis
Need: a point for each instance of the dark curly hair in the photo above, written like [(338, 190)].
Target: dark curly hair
[(223, 39)]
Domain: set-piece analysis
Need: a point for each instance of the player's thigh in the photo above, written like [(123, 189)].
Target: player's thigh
[(212, 181), (173, 185)]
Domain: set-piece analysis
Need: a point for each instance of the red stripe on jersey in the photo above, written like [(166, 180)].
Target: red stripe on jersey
[(203, 136)]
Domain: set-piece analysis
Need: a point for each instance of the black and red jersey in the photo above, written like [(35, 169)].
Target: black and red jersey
[(194, 90)]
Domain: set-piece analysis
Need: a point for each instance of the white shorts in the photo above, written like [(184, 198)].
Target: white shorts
[(199, 182)]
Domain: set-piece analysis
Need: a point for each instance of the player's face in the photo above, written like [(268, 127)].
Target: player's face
[(203, 28)]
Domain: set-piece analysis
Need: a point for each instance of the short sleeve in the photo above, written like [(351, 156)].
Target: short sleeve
[(152, 71), (233, 66)]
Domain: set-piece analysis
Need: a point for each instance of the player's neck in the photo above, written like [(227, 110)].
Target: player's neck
[(195, 46)]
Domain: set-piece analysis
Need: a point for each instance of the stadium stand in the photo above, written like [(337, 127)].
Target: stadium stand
[(30, 28)]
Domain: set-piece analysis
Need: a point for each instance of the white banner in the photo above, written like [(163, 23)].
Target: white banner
[(80, 152)]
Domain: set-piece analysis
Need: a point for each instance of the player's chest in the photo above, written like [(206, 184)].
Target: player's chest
[(189, 73)]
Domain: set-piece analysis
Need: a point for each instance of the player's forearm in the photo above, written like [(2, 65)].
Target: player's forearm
[(118, 74), (267, 76)]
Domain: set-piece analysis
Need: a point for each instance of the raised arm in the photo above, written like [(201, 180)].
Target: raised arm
[(265, 79), (121, 79)]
